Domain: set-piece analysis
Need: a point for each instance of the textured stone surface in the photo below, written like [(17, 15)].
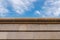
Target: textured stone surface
[(3, 35), (29, 26), (29, 35)]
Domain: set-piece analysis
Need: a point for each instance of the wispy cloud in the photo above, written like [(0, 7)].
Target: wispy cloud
[(3, 9), (20, 6), (51, 8)]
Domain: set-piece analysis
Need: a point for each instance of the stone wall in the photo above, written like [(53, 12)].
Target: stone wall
[(48, 34)]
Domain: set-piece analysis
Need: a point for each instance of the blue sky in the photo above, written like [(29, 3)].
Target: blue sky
[(29, 8)]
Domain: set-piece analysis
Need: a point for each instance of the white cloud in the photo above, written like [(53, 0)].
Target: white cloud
[(51, 8), (3, 9), (3, 12), (20, 6), (37, 12)]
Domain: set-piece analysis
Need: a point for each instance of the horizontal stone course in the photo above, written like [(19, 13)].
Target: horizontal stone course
[(30, 35), (29, 26)]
